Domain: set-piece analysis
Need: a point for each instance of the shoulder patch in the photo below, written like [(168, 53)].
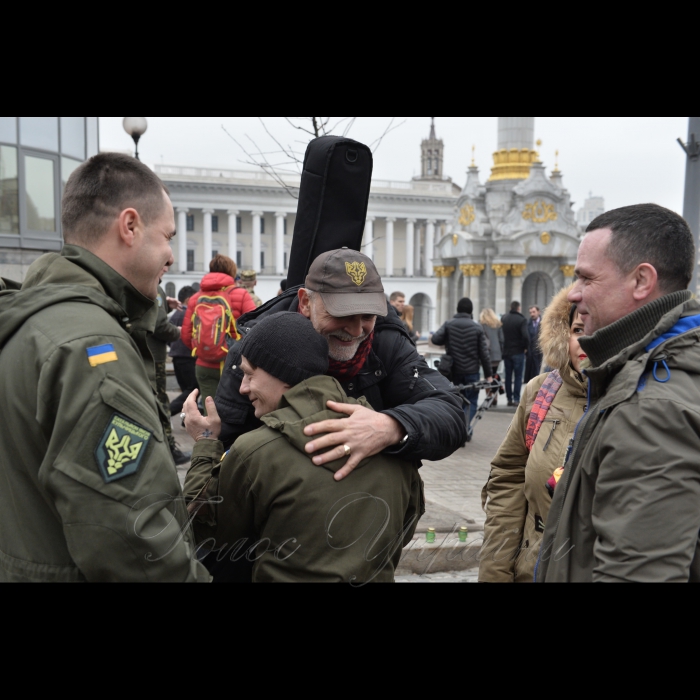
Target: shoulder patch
[(122, 449), (101, 355)]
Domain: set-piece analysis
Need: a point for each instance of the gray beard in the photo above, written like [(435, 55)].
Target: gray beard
[(343, 354)]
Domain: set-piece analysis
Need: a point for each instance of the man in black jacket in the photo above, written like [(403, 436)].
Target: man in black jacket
[(418, 414), (516, 348), (466, 345)]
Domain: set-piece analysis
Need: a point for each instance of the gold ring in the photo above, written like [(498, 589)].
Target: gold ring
[(348, 450)]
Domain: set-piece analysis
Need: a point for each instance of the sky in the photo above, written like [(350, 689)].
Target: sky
[(626, 160)]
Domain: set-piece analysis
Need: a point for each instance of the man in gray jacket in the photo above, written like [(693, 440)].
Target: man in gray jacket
[(627, 507)]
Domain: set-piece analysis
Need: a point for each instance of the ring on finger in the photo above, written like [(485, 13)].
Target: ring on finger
[(348, 450)]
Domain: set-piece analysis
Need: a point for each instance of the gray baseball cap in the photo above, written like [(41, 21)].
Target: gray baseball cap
[(348, 283)]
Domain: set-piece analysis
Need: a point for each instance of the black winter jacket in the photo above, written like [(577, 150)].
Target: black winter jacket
[(466, 344), (516, 334), (395, 380)]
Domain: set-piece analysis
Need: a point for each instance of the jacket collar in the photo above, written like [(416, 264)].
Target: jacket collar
[(469, 316)]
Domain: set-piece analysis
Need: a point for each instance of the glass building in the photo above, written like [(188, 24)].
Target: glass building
[(37, 156)]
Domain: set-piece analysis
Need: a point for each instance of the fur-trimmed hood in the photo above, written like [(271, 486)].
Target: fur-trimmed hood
[(555, 332)]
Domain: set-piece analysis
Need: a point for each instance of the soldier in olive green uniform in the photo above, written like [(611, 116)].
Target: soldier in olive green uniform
[(249, 279), (88, 488), (165, 334)]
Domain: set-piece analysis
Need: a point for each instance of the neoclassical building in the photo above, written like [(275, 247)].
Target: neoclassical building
[(513, 236)]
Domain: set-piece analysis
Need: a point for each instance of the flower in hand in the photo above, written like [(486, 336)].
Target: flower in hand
[(201, 427)]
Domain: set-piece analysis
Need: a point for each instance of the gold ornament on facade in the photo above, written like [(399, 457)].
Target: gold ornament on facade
[(568, 270), (501, 270), (472, 270), (455, 240), (513, 165), (540, 212), (468, 215), (518, 270), (546, 238), (443, 271)]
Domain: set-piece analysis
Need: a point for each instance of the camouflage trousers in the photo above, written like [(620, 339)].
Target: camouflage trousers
[(164, 402)]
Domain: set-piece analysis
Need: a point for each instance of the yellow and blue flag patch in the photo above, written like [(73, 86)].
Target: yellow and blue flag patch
[(101, 355)]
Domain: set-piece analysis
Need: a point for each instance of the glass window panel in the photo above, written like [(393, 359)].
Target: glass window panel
[(9, 191), (73, 137), (39, 132), (93, 136), (68, 167), (8, 129), (41, 194)]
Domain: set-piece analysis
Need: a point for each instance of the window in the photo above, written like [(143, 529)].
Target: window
[(262, 261), (190, 223), (285, 227), (215, 224), (41, 194), (8, 129), (262, 224), (239, 224), (286, 261), (73, 137), (239, 258), (214, 253), (170, 290), (39, 132), (9, 190), (190, 261), (68, 167)]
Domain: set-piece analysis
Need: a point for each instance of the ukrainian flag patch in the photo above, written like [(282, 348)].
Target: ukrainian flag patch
[(101, 355)]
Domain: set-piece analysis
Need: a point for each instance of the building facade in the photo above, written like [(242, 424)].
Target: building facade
[(37, 156)]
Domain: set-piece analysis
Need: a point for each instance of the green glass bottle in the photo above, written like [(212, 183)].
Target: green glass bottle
[(463, 534), (431, 536)]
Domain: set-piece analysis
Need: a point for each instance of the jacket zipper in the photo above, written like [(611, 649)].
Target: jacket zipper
[(555, 423)]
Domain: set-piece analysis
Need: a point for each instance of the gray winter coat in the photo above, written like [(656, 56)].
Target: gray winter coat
[(497, 341)]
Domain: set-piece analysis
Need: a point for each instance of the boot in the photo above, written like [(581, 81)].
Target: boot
[(179, 456)]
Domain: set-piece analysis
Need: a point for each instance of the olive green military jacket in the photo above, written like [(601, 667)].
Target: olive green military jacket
[(291, 519), (165, 333), (88, 488)]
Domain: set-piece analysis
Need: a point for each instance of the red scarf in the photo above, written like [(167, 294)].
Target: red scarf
[(345, 371)]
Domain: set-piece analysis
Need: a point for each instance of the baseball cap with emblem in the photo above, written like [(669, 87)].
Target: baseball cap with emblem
[(348, 283)]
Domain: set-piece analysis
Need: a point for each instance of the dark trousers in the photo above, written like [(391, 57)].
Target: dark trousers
[(471, 396), (187, 381), (514, 365)]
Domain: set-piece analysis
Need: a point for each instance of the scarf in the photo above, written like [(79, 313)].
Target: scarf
[(345, 371)]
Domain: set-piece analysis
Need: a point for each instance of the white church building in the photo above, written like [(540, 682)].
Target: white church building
[(514, 236)]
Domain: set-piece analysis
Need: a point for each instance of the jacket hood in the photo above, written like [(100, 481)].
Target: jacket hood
[(215, 281), (305, 405), (556, 332)]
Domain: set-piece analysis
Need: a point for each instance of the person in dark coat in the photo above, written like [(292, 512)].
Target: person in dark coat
[(184, 364), (534, 356), (517, 344), (417, 412), (466, 345)]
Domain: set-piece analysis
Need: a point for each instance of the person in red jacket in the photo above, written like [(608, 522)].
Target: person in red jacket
[(221, 280)]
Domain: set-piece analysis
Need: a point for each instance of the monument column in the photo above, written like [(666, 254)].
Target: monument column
[(208, 243), (472, 286), (279, 244), (257, 241), (182, 239), (369, 238), (410, 247), (444, 273), (233, 234), (517, 274), (501, 275)]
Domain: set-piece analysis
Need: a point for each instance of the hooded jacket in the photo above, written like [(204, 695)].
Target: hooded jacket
[(219, 284), (290, 517), (395, 380), (516, 335), (518, 500), (466, 344), (628, 506), (82, 450)]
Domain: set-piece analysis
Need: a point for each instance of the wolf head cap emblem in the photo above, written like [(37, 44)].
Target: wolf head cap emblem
[(357, 272)]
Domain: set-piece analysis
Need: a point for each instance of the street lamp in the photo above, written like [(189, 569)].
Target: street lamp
[(691, 210), (136, 127)]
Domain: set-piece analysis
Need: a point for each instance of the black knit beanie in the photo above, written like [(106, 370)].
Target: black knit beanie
[(286, 346)]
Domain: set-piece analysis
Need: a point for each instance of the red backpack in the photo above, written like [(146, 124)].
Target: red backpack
[(213, 325)]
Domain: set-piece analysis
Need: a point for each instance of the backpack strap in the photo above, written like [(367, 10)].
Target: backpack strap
[(543, 402)]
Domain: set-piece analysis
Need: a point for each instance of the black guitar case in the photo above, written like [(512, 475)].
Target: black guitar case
[(333, 202)]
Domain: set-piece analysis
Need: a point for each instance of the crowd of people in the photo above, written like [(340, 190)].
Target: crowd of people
[(311, 415)]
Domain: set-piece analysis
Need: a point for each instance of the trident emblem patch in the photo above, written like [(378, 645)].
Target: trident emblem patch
[(357, 272)]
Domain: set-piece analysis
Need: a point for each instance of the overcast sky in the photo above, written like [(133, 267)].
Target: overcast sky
[(627, 160)]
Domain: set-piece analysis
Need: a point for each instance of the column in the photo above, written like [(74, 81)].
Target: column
[(472, 285), (208, 243), (182, 239), (429, 248), (368, 248), (444, 273), (517, 272), (279, 244), (233, 234), (501, 275), (257, 240), (410, 247), (569, 273), (390, 247)]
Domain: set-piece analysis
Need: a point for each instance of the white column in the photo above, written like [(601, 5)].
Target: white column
[(233, 234), (368, 248), (517, 289), (429, 248), (410, 247), (208, 242), (475, 292), (279, 244), (501, 278), (390, 247), (182, 239), (257, 240)]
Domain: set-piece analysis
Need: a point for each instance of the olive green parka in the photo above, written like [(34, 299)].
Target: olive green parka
[(516, 499)]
